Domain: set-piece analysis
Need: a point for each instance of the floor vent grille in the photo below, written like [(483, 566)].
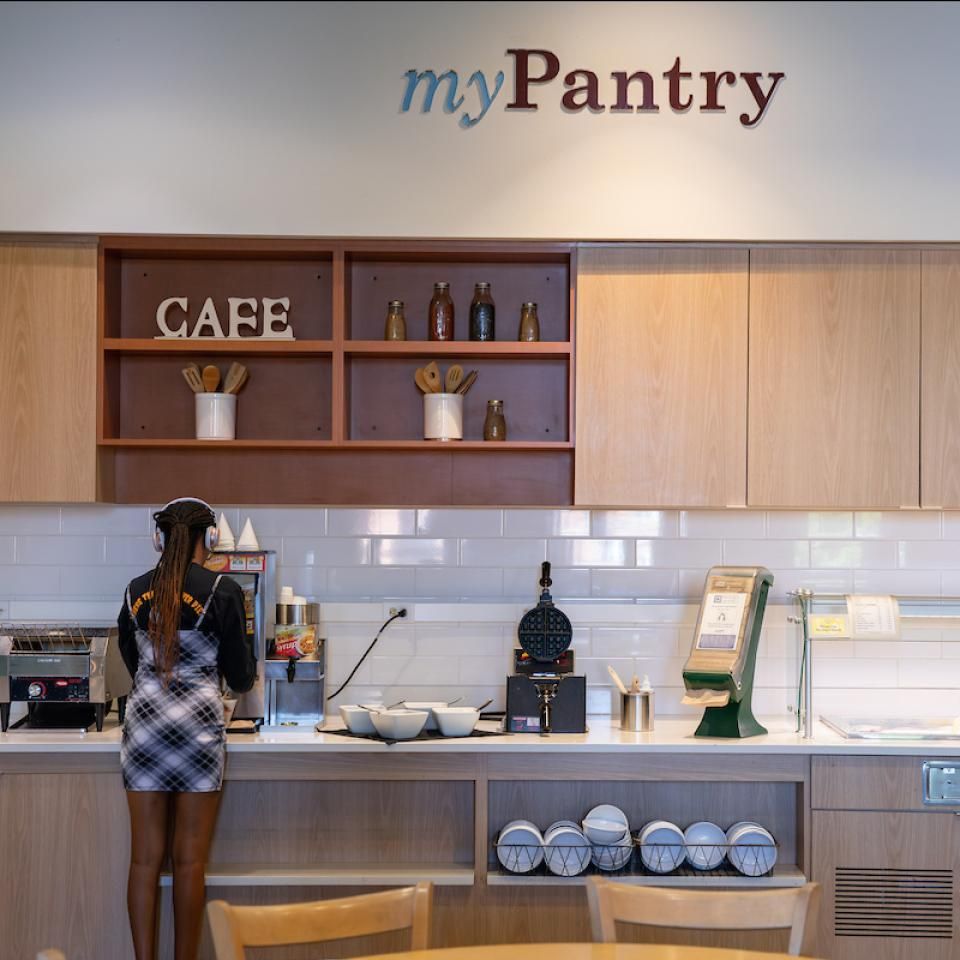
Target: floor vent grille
[(912, 904)]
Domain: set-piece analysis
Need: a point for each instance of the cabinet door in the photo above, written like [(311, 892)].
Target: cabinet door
[(890, 885), (834, 378), (48, 371), (940, 398), (661, 377)]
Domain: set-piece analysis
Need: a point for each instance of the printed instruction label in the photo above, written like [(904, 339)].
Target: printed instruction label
[(825, 626), (720, 621), (873, 618)]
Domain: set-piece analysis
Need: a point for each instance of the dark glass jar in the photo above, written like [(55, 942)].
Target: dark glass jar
[(396, 326), (483, 313), (441, 313), (495, 425), (529, 323)]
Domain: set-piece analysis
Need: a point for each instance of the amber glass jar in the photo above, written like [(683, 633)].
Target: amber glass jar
[(529, 323), (495, 426), (483, 313), (441, 313), (396, 325)]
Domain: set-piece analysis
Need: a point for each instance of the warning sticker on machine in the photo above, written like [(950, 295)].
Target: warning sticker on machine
[(720, 621)]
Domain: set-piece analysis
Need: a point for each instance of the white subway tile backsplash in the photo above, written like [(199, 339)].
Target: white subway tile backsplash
[(73, 610), (23, 581), (60, 550), (636, 642), (132, 550), (897, 649), (716, 524), (8, 549), (458, 583), (820, 581), (309, 582), (344, 522), (476, 670), (100, 581), (929, 555), (590, 553), (897, 525), (325, 551), (355, 583), (469, 612), (679, 553), (568, 583), (855, 673), (773, 554), (503, 552), (462, 640), (103, 519), (546, 523), (797, 524), (635, 523), (284, 521), (624, 584), (415, 552), (460, 523), (930, 674), (950, 524), (853, 554), (419, 670), (30, 520), (898, 582), (691, 584)]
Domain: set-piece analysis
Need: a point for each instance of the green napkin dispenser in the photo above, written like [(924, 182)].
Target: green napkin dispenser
[(718, 674)]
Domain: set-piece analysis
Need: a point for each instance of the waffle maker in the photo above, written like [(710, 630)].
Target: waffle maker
[(544, 696)]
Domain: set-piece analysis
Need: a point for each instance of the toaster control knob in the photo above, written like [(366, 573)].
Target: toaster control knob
[(35, 690)]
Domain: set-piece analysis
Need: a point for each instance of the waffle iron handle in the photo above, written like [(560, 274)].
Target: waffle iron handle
[(545, 580)]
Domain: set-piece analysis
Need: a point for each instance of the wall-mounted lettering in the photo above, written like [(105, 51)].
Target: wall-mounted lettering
[(267, 315)]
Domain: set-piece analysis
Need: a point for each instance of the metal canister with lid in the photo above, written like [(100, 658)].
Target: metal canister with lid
[(636, 708), (294, 673)]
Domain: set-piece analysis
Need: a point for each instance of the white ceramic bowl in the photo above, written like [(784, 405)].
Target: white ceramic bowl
[(613, 856), (606, 824), (456, 721), (520, 846), (706, 845), (752, 849), (358, 719), (568, 851), (399, 724), (662, 846), (429, 706)]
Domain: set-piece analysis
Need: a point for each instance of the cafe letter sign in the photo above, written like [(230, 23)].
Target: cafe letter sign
[(241, 312)]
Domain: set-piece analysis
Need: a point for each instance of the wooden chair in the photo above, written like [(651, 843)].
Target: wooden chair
[(51, 955), (793, 909), (235, 928)]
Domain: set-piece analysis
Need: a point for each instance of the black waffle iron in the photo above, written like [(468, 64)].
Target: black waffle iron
[(543, 696)]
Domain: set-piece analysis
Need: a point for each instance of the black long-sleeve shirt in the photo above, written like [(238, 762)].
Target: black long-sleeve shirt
[(224, 619)]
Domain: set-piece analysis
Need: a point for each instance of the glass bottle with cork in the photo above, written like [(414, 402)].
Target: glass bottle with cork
[(395, 327), (441, 317), (483, 314), (495, 424), (529, 323)]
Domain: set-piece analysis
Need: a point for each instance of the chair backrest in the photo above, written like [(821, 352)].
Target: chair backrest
[(235, 928), (51, 955), (793, 909)]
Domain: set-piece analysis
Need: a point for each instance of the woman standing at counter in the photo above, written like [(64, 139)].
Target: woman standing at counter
[(181, 630)]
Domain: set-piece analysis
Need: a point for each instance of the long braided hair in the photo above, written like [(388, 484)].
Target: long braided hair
[(182, 524)]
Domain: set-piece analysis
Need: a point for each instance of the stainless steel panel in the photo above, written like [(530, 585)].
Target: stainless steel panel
[(941, 782)]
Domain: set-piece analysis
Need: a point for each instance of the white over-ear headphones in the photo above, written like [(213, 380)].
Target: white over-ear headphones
[(211, 535)]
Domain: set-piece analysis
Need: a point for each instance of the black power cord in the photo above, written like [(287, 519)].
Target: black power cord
[(402, 612)]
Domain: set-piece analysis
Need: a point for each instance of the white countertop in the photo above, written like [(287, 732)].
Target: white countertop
[(670, 736)]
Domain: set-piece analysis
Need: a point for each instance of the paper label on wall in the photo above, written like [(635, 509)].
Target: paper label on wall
[(720, 621), (827, 626), (873, 618)]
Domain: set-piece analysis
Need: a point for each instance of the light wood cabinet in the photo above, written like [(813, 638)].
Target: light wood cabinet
[(940, 387), (661, 377), (834, 378), (48, 372)]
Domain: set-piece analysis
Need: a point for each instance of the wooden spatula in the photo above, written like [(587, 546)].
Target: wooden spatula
[(453, 379), (191, 373), (432, 374), (211, 378), (236, 378), (421, 381), (468, 382)]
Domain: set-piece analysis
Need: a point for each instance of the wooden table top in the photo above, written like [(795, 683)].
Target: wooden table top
[(582, 951)]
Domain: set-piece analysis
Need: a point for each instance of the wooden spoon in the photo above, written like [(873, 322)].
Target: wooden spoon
[(432, 374), (468, 382), (421, 381), (454, 377), (211, 378), (236, 378), (191, 373)]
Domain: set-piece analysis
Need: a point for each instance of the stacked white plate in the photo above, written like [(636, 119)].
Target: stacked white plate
[(662, 846), (520, 846), (568, 851), (751, 848), (608, 830)]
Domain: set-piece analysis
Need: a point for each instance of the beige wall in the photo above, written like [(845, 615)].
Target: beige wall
[(285, 119)]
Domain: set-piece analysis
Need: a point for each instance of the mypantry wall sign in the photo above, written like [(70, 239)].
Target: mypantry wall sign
[(537, 82)]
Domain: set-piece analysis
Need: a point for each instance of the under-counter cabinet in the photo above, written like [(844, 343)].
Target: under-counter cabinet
[(889, 865), (661, 377), (834, 374), (48, 372)]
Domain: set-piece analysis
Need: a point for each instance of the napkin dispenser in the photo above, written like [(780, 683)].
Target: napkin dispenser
[(719, 672)]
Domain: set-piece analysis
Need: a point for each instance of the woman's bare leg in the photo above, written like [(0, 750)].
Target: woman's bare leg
[(148, 846), (194, 817)]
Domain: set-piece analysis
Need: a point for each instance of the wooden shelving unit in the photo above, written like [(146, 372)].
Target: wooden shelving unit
[(334, 416), (788, 875), (356, 875)]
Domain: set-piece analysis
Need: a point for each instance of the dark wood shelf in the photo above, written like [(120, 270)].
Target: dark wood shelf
[(248, 345), (453, 446), (457, 348), (432, 446)]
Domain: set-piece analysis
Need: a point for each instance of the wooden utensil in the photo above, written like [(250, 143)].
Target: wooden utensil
[(616, 679), (454, 378), (421, 381), (211, 378), (468, 382), (432, 374), (236, 378), (191, 373)]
